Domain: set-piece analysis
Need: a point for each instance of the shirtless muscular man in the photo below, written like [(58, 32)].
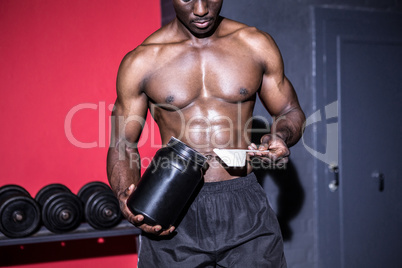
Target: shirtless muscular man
[(199, 76)]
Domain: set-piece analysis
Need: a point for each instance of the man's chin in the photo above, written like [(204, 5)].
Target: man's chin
[(202, 33)]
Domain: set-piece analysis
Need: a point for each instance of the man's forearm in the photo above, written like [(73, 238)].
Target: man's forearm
[(289, 126), (123, 169)]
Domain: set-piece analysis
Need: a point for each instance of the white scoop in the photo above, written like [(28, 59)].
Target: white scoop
[(234, 157)]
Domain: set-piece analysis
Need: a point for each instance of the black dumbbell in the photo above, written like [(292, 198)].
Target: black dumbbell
[(61, 209), (19, 212), (101, 207)]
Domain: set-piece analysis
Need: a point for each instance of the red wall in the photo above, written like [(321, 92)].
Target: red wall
[(59, 60)]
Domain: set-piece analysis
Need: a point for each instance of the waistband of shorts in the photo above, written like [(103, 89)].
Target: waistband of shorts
[(229, 185)]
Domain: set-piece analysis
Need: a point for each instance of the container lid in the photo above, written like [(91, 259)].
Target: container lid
[(186, 151)]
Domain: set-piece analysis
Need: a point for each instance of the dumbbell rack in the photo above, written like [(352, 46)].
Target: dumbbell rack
[(84, 231)]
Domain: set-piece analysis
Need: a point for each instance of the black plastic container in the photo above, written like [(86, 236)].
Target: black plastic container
[(167, 184)]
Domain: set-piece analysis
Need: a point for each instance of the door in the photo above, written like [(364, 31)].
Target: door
[(359, 68)]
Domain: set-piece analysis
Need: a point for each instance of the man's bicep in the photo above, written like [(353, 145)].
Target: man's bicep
[(128, 118), (278, 95), (276, 92), (131, 105)]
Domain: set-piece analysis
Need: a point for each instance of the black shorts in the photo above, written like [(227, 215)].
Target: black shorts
[(229, 224)]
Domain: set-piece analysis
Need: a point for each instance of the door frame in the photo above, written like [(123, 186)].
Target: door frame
[(331, 27)]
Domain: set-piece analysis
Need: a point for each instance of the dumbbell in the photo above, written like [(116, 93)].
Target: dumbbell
[(19, 212), (61, 209), (101, 207)]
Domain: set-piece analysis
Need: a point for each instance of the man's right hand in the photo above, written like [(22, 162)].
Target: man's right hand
[(138, 220)]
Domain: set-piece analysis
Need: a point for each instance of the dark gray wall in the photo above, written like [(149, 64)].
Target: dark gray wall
[(292, 192)]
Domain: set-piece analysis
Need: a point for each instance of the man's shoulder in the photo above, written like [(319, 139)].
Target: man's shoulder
[(248, 35), (148, 49), (245, 32), (260, 44), (154, 46), (165, 35), (141, 59), (229, 26)]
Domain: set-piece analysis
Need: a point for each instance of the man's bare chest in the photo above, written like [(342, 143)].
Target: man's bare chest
[(190, 75)]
